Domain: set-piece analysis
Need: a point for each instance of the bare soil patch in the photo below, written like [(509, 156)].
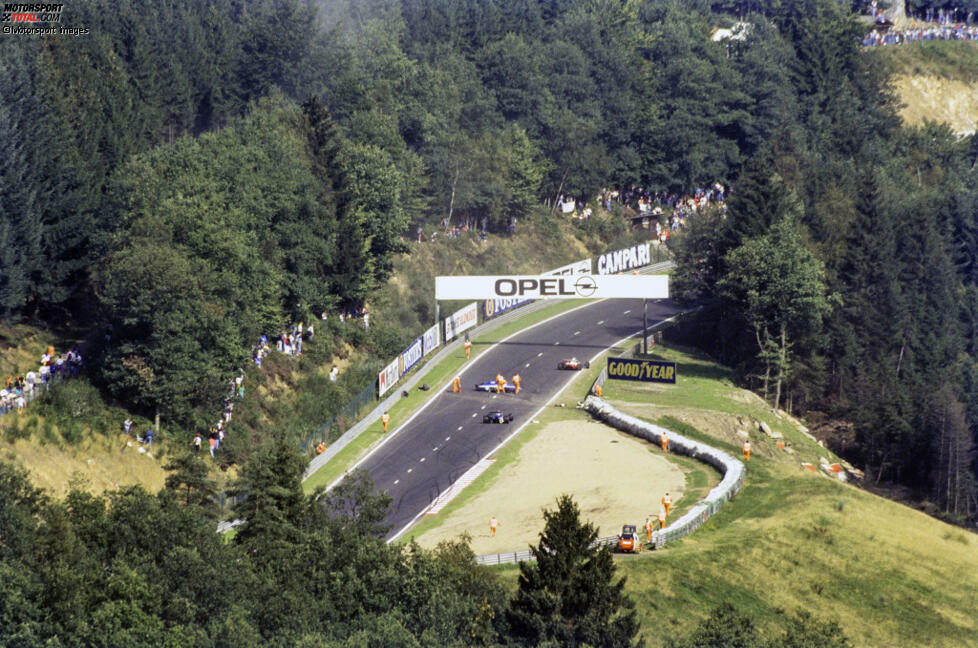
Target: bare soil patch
[(944, 100), (614, 478)]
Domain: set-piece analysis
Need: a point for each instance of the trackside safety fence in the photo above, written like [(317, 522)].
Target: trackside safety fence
[(733, 470), (446, 349), (511, 557), (347, 416)]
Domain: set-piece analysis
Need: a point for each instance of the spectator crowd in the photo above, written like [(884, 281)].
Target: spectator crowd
[(959, 31), (930, 23), (656, 204), (19, 390)]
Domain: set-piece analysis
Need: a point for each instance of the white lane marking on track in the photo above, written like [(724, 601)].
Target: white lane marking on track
[(577, 332), (422, 460), (460, 427), (540, 355), (627, 312), (527, 364), (410, 469), (421, 409), (447, 438), (483, 407), (601, 322), (474, 413), (556, 343), (435, 449), (525, 423), (397, 481)]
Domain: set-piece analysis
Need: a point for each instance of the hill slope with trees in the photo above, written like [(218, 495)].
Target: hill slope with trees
[(183, 179)]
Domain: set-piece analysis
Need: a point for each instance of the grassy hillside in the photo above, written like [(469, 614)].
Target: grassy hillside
[(794, 540), (952, 60), (936, 81), (539, 245)]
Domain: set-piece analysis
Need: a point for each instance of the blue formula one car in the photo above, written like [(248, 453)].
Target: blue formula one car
[(490, 386), (497, 417)]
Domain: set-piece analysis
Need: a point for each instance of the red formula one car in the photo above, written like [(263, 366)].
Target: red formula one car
[(573, 364)]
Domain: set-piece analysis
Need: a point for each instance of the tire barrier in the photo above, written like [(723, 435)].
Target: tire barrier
[(733, 470)]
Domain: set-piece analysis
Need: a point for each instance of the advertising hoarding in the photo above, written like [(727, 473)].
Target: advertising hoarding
[(411, 356), (388, 376), (462, 320), (625, 259), (642, 370), (564, 287), (431, 339)]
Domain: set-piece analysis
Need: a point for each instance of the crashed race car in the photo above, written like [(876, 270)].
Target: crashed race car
[(490, 386), (497, 417), (573, 364)]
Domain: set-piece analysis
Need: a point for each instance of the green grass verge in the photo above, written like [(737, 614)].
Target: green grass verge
[(793, 540), (438, 376), (507, 454), (705, 386), (955, 60), (699, 477)]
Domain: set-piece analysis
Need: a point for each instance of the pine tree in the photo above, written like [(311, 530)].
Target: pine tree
[(568, 596), (189, 479), (24, 141), (272, 504)]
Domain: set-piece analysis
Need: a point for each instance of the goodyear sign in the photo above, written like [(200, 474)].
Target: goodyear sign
[(642, 370)]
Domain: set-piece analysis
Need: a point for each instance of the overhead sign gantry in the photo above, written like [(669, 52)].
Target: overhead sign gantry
[(582, 286)]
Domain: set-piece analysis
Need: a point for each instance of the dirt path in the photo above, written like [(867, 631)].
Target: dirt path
[(613, 477)]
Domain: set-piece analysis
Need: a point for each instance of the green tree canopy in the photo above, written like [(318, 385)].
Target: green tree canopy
[(568, 595)]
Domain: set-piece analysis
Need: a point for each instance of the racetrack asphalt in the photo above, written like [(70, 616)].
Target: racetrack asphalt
[(446, 437)]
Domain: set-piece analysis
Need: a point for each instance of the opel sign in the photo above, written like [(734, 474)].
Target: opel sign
[(563, 287)]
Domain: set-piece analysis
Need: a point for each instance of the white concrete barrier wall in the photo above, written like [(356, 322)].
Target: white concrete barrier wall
[(733, 470)]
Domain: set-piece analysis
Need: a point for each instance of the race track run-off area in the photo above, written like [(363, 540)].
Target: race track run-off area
[(446, 437)]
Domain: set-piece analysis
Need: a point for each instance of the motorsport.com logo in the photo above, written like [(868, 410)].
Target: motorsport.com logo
[(35, 18)]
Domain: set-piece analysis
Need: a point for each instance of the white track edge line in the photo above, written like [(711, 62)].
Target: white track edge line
[(520, 428), (432, 400)]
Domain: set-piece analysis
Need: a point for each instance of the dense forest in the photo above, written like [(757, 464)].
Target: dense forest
[(190, 175)]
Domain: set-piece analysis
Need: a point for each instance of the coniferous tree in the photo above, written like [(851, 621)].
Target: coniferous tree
[(272, 503), (568, 596), (190, 481)]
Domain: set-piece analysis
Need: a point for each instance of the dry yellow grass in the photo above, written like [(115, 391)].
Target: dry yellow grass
[(97, 464)]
